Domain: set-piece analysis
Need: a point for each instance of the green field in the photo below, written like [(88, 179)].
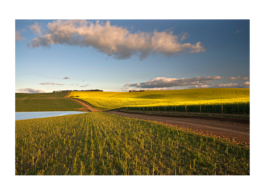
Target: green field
[(41, 95), (210, 96), (44, 102), (103, 144)]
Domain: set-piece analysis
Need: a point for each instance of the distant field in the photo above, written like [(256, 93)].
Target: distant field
[(103, 144), (112, 100), (44, 102), (40, 95)]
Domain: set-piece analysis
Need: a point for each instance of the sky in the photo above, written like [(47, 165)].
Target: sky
[(119, 55)]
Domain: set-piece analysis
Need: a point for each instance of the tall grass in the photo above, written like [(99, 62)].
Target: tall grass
[(105, 144)]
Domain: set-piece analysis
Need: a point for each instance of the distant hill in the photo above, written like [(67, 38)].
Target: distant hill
[(111, 100), (44, 102)]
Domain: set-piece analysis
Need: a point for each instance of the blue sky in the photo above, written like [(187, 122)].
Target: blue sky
[(108, 56)]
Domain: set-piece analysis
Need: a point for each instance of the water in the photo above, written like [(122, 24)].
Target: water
[(31, 115)]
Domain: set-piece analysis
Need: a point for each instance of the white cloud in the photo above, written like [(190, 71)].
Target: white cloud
[(84, 85), (184, 36), (36, 29), (228, 85), (202, 86), (30, 90), (51, 84), (225, 85), (66, 78), (112, 40), (161, 82), (246, 84), (232, 85), (19, 37), (238, 78), (149, 89)]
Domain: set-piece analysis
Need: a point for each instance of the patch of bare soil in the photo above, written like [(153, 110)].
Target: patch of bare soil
[(231, 130)]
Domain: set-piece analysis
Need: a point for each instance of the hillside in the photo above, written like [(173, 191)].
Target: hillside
[(111, 100), (44, 102)]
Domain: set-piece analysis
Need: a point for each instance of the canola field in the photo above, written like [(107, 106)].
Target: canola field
[(44, 102), (210, 96), (99, 143)]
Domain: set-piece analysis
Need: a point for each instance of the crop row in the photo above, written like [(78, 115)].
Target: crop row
[(104, 144), (240, 108)]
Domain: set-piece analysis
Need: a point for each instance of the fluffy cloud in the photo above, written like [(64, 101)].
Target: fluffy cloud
[(238, 78), (30, 90), (66, 78), (127, 87), (35, 28), (84, 85), (112, 40), (161, 82), (19, 37), (202, 86), (228, 85), (148, 89), (246, 84), (231, 85), (51, 84)]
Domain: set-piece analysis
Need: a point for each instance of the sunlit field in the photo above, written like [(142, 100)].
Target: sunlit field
[(45, 102), (212, 96), (103, 144)]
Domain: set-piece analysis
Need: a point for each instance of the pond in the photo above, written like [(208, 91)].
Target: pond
[(32, 115)]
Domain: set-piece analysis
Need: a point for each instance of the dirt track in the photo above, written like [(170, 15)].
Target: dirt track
[(229, 130), (85, 106)]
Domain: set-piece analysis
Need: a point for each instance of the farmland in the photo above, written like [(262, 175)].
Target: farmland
[(224, 108), (44, 102), (211, 96), (103, 144)]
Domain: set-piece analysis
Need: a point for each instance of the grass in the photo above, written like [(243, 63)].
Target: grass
[(45, 102), (104, 144), (212, 96), (40, 95)]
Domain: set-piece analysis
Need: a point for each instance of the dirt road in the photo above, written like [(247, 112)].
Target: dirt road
[(229, 130), (85, 105)]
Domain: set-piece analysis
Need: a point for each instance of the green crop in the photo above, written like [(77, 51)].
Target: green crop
[(45, 102), (235, 108), (40, 95), (103, 144)]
